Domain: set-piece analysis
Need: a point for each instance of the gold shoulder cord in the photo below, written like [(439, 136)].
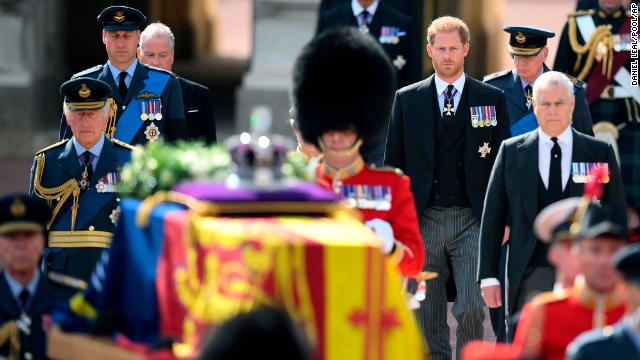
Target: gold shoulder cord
[(110, 129), (59, 193), (9, 333), (601, 38)]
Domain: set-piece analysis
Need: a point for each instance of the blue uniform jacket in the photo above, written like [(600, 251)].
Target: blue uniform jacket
[(510, 83), (33, 345), (172, 126), (97, 211), (608, 343)]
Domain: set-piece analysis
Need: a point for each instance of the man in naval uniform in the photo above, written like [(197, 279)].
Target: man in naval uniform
[(78, 177), (147, 102), (528, 49)]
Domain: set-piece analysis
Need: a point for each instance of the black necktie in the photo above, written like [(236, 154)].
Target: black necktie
[(87, 171), (528, 97), (555, 172), (24, 299), (447, 112), (122, 86)]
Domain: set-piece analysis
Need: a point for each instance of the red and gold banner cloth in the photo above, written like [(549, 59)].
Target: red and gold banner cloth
[(328, 273)]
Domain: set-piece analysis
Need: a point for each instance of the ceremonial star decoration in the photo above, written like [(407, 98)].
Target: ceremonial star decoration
[(115, 215), (152, 132), (399, 62), (484, 150)]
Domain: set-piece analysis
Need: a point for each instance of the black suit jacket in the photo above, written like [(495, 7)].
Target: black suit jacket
[(172, 126), (411, 143), (511, 84), (407, 48), (597, 345), (513, 193), (42, 303), (198, 110)]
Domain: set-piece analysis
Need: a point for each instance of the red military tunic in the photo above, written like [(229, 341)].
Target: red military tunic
[(553, 320), (381, 194)]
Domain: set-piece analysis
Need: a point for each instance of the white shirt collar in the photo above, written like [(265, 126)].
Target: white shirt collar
[(115, 72), (96, 149), (458, 84), (16, 287), (523, 83), (357, 8), (564, 139)]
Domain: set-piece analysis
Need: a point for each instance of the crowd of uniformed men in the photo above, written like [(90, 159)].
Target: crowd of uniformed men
[(499, 185)]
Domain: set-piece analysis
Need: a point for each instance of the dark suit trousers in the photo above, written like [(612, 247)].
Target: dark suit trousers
[(451, 233)]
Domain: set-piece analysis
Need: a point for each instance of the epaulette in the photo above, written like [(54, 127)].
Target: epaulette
[(123, 144), (150, 67), (88, 71), (387, 169), (496, 75), (628, 13), (589, 12), (52, 146), (68, 281), (576, 82), (550, 297)]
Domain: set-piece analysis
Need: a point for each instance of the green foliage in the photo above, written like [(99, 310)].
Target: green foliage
[(160, 166)]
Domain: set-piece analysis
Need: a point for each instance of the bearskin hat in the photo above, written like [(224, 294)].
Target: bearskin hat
[(343, 79)]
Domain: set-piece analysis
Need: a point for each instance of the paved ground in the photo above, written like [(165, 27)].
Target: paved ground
[(488, 332)]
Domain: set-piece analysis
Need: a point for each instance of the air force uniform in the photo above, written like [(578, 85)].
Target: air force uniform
[(152, 105), (529, 41), (83, 196), (22, 306)]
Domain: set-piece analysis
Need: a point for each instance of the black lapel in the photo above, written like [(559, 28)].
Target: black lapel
[(106, 76), (376, 23), (106, 162), (580, 152), (424, 122), (527, 160), (348, 18), (69, 162), (462, 111), (8, 304), (137, 83)]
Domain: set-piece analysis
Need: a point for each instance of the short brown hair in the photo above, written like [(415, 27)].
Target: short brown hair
[(448, 24)]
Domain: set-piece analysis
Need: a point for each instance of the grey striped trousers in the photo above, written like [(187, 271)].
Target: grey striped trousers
[(453, 233)]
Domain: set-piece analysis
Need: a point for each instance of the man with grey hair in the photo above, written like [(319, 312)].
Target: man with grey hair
[(156, 48), (532, 171), (78, 177)]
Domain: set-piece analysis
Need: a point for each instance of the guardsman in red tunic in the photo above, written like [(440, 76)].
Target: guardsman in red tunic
[(552, 320), (344, 121)]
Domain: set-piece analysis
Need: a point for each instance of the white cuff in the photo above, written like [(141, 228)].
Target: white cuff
[(489, 282)]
